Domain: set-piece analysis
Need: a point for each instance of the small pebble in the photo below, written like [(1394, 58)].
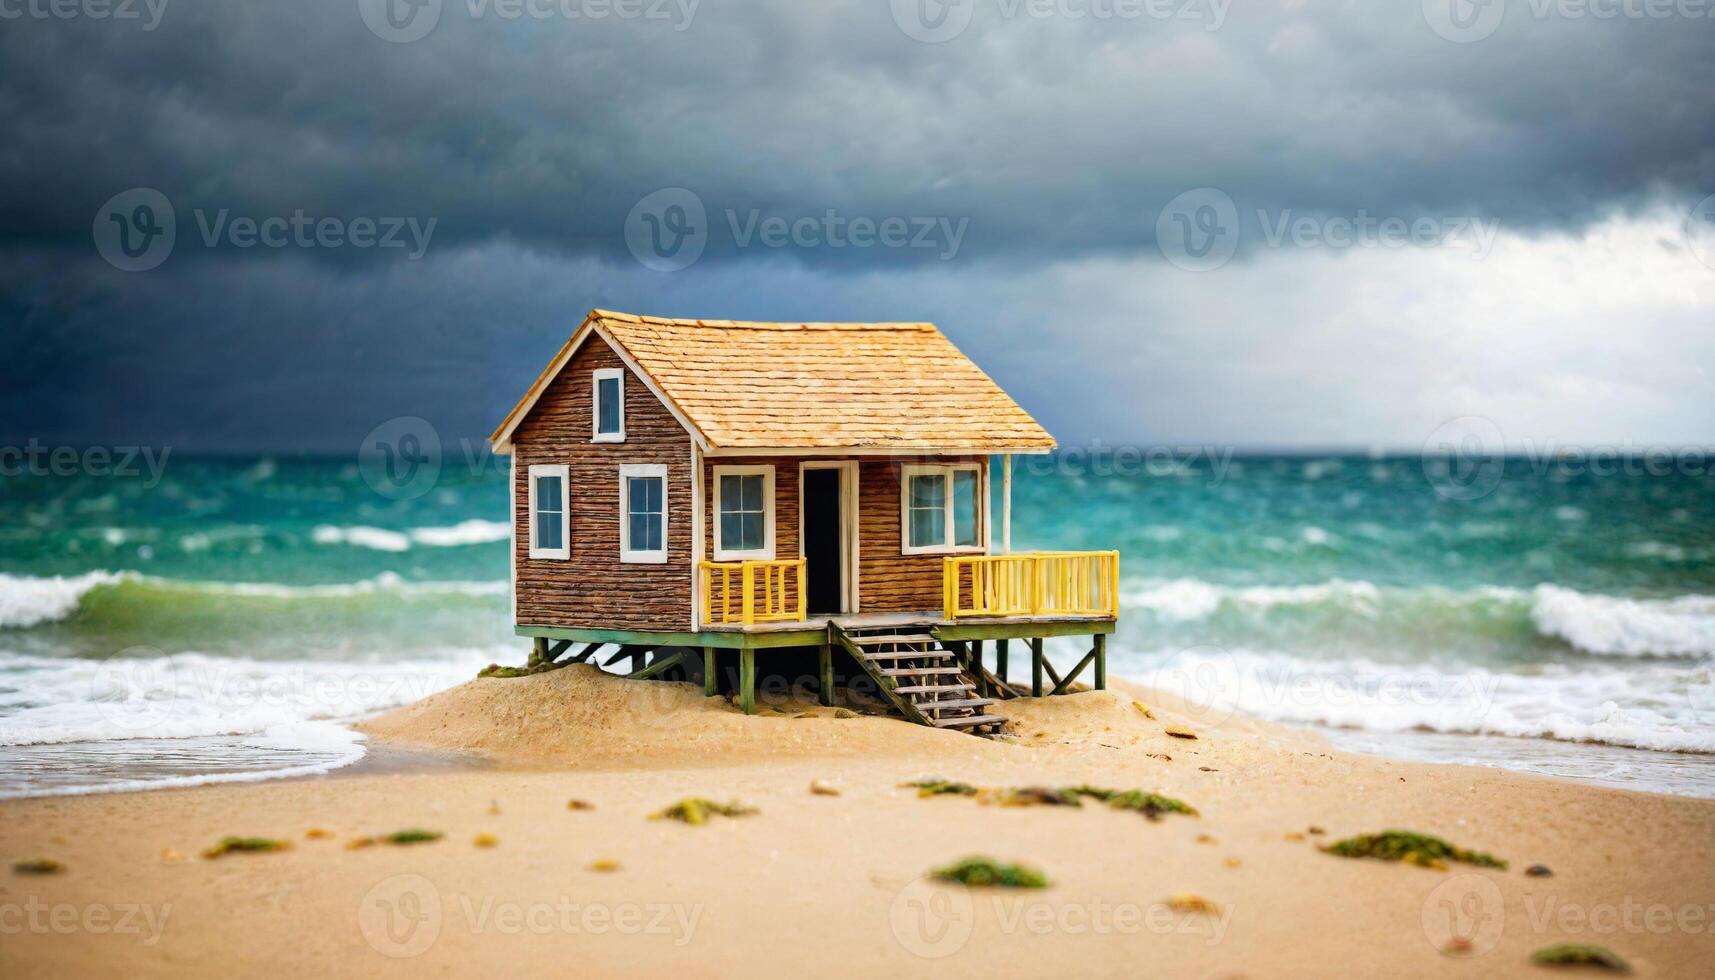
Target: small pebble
[(485, 840), (604, 865), (1538, 871), (579, 805)]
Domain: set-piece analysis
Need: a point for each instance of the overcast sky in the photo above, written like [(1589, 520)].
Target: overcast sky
[(1296, 223)]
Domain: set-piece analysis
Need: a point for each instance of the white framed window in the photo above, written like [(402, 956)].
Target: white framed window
[(643, 513), (607, 404), (744, 512), (941, 509), (550, 511)]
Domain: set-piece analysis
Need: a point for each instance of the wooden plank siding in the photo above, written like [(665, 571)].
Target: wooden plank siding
[(593, 588), (888, 581)]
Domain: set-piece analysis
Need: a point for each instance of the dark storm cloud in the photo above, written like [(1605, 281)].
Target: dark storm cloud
[(1051, 136), (1046, 141)]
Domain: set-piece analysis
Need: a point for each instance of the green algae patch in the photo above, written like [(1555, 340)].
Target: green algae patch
[(1030, 796), (1581, 954), (696, 811), (245, 845), (412, 835), (496, 670), (1422, 850), (38, 866), (982, 872), (1151, 805), (940, 787)]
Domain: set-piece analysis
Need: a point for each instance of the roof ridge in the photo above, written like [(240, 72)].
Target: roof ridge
[(600, 314)]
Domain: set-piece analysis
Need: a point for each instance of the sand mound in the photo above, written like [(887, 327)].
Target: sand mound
[(584, 715)]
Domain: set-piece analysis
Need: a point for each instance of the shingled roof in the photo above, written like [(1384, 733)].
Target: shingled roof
[(818, 386)]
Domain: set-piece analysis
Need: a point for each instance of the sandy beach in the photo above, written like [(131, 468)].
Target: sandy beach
[(833, 884)]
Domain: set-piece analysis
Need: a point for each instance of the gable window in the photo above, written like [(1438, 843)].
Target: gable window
[(744, 509), (550, 497), (643, 513), (941, 508), (609, 405)]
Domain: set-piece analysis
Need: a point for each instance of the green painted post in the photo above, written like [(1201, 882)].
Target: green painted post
[(747, 681), (977, 668), (1036, 667), (711, 680), (541, 652), (826, 655), (1000, 652), (1101, 661)]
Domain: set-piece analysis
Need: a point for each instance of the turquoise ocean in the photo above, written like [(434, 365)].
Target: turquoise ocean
[(228, 622)]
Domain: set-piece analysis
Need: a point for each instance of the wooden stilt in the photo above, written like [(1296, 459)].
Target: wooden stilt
[(1036, 667), (711, 680), (1101, 640), (826, 655), (1000, 652), (747, 681), (977, 668), (586, 653), (659, 666), (1061, 686), (539, 653)]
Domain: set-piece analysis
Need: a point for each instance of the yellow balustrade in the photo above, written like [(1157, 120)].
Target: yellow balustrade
[(763, 594), (1046, 583)]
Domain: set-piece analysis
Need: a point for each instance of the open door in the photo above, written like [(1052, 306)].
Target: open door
[(827, 528)]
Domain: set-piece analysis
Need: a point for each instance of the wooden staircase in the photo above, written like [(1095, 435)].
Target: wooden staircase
[(926, 684)]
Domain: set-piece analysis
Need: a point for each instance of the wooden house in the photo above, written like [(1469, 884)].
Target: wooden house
[(690, 490)]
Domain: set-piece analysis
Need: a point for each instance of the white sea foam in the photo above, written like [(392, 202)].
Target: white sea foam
[(361, 536), (1678, 627), (27, 601), (1668, 707), (1191, 599), (464, 533)]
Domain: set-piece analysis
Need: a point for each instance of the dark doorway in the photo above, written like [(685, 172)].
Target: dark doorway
[(822, 559)]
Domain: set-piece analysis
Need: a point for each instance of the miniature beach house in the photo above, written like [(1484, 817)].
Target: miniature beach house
[(696, 492)]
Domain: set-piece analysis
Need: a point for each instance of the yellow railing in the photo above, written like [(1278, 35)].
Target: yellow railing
[(762, 595), (1046, 583)]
